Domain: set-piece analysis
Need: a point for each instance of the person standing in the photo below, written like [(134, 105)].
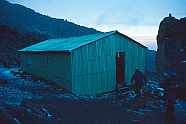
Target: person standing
[(139, 80)]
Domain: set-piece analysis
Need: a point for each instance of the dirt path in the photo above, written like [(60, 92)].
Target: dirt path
[(27, 100)]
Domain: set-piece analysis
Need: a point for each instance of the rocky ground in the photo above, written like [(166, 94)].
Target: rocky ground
[(25, 99)]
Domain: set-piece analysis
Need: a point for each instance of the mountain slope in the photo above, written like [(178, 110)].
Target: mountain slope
[(21, 27), (27, 20)]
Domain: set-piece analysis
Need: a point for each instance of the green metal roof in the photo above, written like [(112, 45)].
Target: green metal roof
[(67, 44)]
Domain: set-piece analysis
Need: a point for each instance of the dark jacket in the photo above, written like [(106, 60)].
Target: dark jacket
[(139, 78)]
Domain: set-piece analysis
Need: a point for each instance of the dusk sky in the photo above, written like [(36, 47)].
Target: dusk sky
[(138, 19)]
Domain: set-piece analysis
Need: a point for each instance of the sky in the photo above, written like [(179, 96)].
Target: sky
[(139, 19)]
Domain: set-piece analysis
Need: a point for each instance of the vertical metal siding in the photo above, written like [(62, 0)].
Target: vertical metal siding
[(93, 65), (55, 67)]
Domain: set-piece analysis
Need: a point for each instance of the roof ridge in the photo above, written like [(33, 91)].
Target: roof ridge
[(70, 43), (83, 40), (108, 34)]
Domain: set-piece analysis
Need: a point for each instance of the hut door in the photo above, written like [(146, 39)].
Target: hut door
[(120, 68)]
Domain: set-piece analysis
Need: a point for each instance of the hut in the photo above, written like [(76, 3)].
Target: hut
[(86, 65)]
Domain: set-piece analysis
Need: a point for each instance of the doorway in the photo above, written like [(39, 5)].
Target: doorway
[(120, 68)]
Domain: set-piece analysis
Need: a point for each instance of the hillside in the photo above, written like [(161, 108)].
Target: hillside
[(21, 27)]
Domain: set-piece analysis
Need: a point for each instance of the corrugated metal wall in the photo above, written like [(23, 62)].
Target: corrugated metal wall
[(94, 65), (90, 69), (51, 66)]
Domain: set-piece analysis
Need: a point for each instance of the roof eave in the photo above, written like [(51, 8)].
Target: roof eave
[(67, 52), (131, 39)]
